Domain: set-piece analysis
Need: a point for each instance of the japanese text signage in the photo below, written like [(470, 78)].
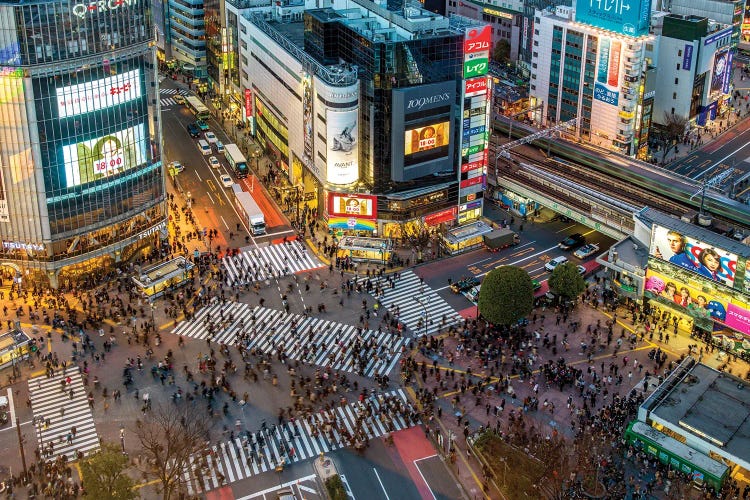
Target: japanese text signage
[(99, 94), (607, 85), (248, 103), (477, 44), (627, 17)]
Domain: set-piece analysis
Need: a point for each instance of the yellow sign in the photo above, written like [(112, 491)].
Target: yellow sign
[(497, 13)]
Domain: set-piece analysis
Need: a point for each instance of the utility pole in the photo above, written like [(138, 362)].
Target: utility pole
[(20, 448)]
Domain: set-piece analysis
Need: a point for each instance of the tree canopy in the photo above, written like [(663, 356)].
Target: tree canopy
[(103, 475), (566, 281), (506, 296)]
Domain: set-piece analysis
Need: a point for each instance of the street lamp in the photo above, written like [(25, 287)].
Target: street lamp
[(122, 439)]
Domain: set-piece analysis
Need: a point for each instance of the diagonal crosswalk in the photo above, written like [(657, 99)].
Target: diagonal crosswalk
[(255, 453), (412, 300), (261, 263), (57, 415), (312, 340)]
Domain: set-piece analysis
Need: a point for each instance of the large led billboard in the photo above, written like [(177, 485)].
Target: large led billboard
[(627, 17), (722, 71), (98, 94), (607, 85), (105, 156), (704, 300), (425, 138), (708, 261), (343, 148), (353, 205)]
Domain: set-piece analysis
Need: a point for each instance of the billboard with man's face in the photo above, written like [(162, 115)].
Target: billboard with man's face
[(711, 262)]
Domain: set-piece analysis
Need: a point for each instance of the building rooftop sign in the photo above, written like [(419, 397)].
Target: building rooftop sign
[(626, 17)]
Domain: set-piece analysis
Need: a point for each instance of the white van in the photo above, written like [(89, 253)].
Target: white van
[(204, 147)]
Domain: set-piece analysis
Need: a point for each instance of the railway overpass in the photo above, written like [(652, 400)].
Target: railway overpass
[(604, 190)]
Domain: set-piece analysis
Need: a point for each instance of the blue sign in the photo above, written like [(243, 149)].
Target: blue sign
[(604, 94), (687, 57), (716, 36), (627, 17), (728, 73)]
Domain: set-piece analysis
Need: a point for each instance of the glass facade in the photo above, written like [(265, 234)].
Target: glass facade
[(79, 133), (383, 65)]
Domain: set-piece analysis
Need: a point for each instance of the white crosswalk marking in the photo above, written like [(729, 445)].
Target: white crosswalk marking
[(167, 101), (313, 340), (413, 299), (56, 413), (260, 263), (167, 91), (295, 441)]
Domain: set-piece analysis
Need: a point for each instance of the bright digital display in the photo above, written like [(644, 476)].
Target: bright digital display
[(343, 148), (353, 205), (426, 138), (99, 94), (105, 156), (713, 263), (705, 301)]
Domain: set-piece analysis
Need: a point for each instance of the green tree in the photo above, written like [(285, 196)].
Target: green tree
[(506, 296), (566, 281), (103, 475), (674, 129), (501, 52)]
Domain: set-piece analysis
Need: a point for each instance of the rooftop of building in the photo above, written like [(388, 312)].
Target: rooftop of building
[(706, 403), (651, 216)]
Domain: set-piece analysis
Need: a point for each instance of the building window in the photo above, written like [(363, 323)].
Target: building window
[(679, 53), (678, 66), (676, 81), (674, 95)]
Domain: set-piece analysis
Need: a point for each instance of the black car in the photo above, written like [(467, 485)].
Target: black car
[(464, 285), (572, 242), (193, 130)]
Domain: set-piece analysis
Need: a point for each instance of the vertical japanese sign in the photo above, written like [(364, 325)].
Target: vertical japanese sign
[(607, 85), (248, 103), (477, 44), (307, 115)]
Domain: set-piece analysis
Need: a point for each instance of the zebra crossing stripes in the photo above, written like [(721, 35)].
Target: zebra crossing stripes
[(167, 91), (261, 263), (167, 101), (414, 299), (56, 414), (247, 456), (312, 340)]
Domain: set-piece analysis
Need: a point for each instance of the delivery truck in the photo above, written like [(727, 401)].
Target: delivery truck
[(500, 238)]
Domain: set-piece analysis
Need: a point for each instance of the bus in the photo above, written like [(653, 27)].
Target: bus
[(678, 456), (250, 213), (197, 107), (236, 160), (164, 277)]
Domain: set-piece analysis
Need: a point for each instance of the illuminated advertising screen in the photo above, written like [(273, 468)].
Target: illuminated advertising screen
[(627, 17), (342, 145), (99, 94), (607, 85), (426, 138), (105, 156), (360, 206), (307, 116), (711, 262), (720, 71), (704, 300)]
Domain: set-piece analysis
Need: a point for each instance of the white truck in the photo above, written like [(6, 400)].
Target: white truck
[(250, 213)]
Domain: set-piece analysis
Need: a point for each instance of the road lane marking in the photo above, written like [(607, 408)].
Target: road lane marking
[(210, 198), (720, 161), (566, 228), (197, 175), (225, 222), (416, 465), (279, 487), (381, 483)]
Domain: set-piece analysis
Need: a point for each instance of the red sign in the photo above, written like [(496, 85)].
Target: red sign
[(442, 216), (478, 40), (475, 86), (362, 206), (473, 165), (248, 103), (471, 182)]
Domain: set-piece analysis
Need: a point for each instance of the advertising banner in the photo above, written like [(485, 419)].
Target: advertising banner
[(99, 94), (248, 103), (475, 86), (477, 45), (626, 17), (105, 156), (713, 263), (361, 206), (436, 218), (720, 68), (342, 146), (728, 73), (607, 85), (307, 116), (425, 138), (687, 57), (705, 301)]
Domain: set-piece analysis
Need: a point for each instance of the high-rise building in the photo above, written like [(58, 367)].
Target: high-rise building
[(186, 24), (589, 64), (80, 141), (386, 103)]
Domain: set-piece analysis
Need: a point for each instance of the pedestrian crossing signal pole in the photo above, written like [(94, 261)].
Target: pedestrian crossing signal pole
[(20, 448)]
